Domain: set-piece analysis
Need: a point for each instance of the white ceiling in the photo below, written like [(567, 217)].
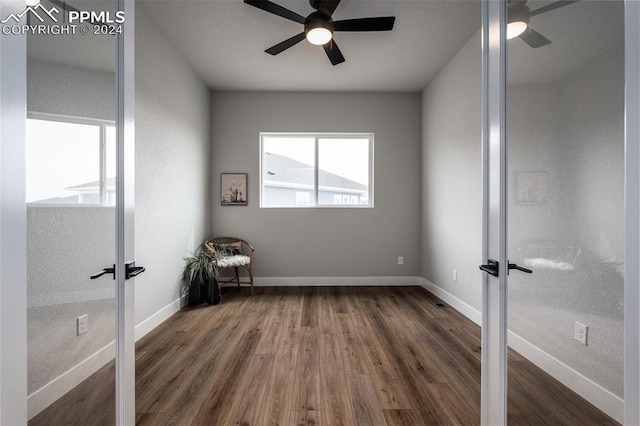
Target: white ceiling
[(224, 42)]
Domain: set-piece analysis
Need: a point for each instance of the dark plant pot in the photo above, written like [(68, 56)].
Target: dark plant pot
[(213, 292), (195, 293)]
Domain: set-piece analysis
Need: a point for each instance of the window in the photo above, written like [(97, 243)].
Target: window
[(316, 170), (70, 160)]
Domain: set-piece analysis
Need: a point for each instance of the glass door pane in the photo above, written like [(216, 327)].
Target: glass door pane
[(71, 216), (565, 138)]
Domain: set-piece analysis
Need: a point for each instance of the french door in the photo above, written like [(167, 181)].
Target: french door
[(72, 140), (560, 153)]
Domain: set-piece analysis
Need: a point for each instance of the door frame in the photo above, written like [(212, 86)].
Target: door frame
[(125, 216), (13, 224), (632, 214), (494, 157), (13, 237), (494, 215)]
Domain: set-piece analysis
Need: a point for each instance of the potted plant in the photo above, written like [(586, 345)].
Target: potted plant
[(199, 274)]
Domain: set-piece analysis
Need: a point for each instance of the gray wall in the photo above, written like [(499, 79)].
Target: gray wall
[(65, 244), (172, 166), (323, 242), (452, 176), (571, 128)]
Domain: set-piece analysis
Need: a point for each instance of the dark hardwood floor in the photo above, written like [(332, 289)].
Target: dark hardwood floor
[(319, 356)]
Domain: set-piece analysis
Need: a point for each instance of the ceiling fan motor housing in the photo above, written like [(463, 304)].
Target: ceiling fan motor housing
[(318, 20), (519, 13), (319, 26)]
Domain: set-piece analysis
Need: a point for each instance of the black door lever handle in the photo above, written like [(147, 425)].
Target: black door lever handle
[(520, 268), (111, 270), (132, 271), (491, 267)]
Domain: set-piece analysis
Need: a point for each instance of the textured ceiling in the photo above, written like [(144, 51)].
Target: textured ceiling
[(224, 40)]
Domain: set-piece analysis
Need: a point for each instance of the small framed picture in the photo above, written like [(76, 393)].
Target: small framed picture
[(233, 189)]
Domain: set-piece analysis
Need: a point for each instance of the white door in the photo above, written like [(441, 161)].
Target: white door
[(554, 159), (77, 182)]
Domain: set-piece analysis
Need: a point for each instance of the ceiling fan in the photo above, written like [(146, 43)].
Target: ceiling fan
[(319, 26), (519, 15)]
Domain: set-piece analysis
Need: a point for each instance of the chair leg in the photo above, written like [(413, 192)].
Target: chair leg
[(251, 279), (237, 276)]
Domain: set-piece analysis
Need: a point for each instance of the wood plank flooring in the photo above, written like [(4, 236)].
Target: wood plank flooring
[(319, 356)]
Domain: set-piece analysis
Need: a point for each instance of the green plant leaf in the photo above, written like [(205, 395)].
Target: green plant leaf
[(199, 267)]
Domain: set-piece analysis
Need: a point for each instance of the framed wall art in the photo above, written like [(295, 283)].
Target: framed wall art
[(233, 189)]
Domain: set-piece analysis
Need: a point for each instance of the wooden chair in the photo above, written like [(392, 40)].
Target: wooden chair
[(232, 253)]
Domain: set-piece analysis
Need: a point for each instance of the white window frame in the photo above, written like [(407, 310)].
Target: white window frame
[(316, 187), (102, 124)]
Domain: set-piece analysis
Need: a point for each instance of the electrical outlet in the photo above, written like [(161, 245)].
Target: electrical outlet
[(82, 324), (454, 276), (400, 260), (580, 333)]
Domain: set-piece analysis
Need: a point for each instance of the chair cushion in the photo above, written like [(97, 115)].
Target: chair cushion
[(233, 261)]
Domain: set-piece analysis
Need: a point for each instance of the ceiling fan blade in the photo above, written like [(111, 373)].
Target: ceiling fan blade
[(534, 38), (552, 6), (333, 52), (281, 47), (365, 24), (328, 6), (271, 7)]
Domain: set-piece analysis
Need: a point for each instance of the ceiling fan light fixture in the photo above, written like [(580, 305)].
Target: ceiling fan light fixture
[(518, 20), (319, 35), (514, 29)]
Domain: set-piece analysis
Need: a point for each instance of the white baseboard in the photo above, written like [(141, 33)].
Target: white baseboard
[(604, 400), (49, 393), (334, 281), (158, 318), (467, 310)]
